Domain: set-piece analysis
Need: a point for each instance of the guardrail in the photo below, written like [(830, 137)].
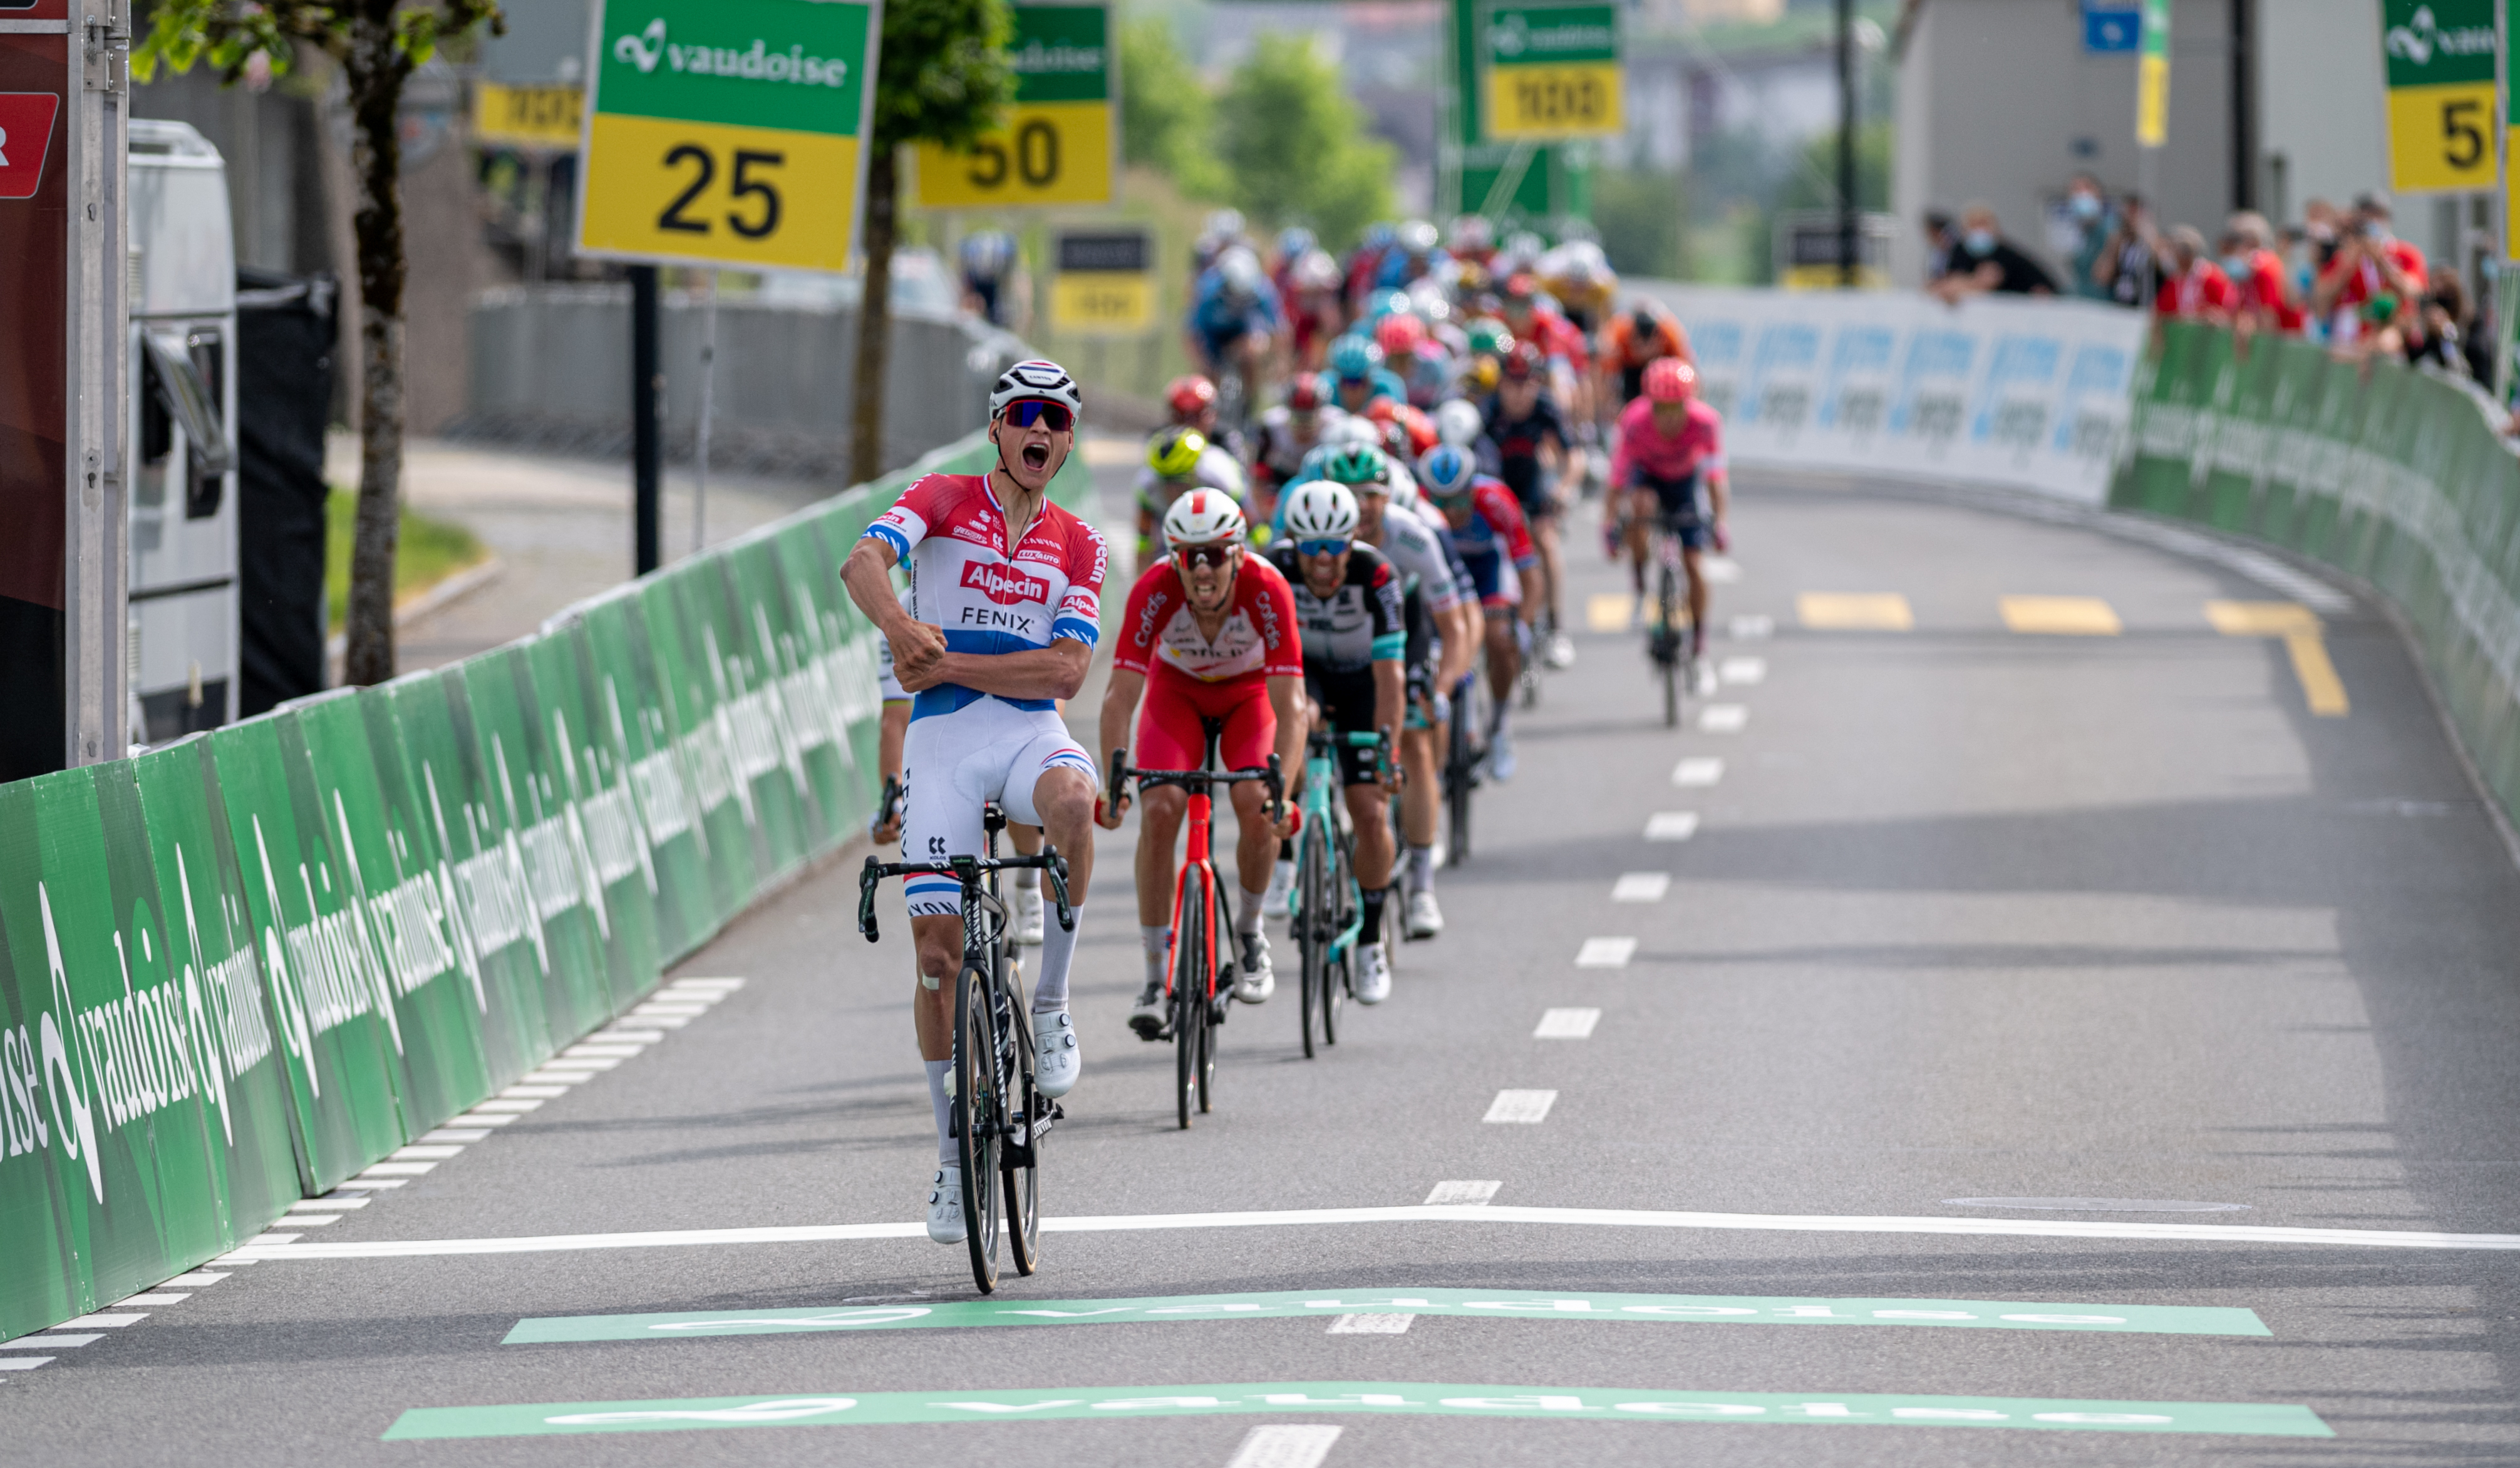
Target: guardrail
[(240, 968), (2390, 476)]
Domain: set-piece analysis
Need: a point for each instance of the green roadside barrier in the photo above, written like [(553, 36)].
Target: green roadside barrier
[(240, 969), (2390, 476)]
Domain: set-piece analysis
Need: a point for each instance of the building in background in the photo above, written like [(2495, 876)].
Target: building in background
[(2270, 105)]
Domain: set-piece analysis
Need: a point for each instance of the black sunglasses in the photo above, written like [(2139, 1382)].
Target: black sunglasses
[(1205, 555), (1025, 412)]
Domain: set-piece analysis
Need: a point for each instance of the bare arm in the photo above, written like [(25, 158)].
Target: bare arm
[(1057, 671), (917, 646), (1462, 642), (1390, 697), (1119, 704), (1718, 495), (1286, 701)]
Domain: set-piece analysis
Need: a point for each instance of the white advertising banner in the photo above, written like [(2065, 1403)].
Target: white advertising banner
[(2024, 393)]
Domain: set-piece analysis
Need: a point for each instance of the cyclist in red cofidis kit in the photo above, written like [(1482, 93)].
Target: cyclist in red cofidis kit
[(1005, 605)]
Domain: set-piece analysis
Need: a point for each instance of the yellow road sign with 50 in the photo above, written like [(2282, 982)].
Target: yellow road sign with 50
[(1059, 142)]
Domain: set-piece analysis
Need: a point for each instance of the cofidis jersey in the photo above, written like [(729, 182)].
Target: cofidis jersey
[(951, 531)]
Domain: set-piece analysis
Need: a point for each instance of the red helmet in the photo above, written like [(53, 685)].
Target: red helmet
[(1305, 396), (1418, 425), (1668, 380), (1192, 395), (1399, 335), (1523, 362), (1519, 289), (1381, 410)]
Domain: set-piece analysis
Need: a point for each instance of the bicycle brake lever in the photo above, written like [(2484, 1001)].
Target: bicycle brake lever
[(1058, 868), (867, 880)]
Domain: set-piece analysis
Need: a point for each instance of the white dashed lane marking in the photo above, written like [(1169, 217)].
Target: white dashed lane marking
[(1750, 627), (1640, 886), (24, 1363), (1671, 826), (48, 1343), (1697, 770), (1376, 1325), (1520, 1107), (1742, 671), (1285, 1446), (1564, 1024), (1463, 1190), (1606, 952), (1724, 718)]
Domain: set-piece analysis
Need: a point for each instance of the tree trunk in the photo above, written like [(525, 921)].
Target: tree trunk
[(374, 76), (875, 317)]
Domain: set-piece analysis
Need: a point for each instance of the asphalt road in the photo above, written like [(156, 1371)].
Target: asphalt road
[(1968, 913)]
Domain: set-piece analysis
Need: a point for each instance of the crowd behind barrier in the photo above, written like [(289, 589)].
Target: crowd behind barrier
[(239, 970), (2395, 475)]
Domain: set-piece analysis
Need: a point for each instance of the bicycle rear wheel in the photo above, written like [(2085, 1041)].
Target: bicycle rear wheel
[(1189, 1005), (1335, 979), (978, 1108), (1019, 1160), (1220, 922), (1458, 784), (1667, 645)]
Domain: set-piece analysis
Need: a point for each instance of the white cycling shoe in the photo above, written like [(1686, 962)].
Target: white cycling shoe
[(945, 1205), (1372, 974), (1560, 652), (1027, 924), (1056, 1060), (1703, 681), (1501, 756), (1150, 1016), (1279, 898), (1425, 918), (1258, 978)]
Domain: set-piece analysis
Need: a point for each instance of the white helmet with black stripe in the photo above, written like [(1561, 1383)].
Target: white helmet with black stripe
[(1321, 510), (1037, 379)]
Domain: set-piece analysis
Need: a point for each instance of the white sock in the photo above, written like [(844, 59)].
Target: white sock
[(1058, 952), (1282, 873), (936, 1097), (1250, 920), (1158, 944), (1027, 880), (1421, 868)]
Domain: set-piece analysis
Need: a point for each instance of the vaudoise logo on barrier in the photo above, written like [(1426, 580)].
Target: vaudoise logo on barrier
[(157, 1045)]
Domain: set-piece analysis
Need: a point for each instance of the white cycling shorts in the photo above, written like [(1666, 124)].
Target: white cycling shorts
[(986, 751)]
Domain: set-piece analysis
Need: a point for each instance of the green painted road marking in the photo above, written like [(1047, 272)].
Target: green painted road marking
[(1523, 1305), (1408, 1398)]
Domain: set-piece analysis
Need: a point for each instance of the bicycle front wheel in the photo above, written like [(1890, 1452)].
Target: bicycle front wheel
[(1666, 647), (1189, 1005), (1313, 931), (979, 1110), (1019, 1159)]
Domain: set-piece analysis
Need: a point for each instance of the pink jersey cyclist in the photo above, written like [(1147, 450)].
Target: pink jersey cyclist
[(1645, 453)]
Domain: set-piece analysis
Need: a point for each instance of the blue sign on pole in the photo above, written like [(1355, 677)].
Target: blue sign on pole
[(2108, 27)]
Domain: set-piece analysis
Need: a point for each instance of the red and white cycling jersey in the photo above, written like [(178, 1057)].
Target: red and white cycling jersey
[(951, 531), (1259, 639)]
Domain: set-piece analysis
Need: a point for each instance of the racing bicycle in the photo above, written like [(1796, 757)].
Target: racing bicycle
[(1465, 753), (1668, 627), (1327, 916), (1200, 971), (998, 1117)]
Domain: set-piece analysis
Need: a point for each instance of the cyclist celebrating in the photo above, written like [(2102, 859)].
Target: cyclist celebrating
[(1669, 440), (1354, 633), (1006, 591), (1209, 633)]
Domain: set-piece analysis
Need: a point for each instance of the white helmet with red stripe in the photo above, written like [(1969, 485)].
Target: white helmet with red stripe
[(1036, 379), (1203, 518)]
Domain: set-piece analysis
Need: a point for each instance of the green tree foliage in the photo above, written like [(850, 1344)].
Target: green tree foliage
[(942, 78), (1167, 120), (1814, 184), (1296, 148), (377, 44), (1643, 216)]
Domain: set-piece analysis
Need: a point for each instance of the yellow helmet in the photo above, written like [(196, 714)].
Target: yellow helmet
[(1174, 453)]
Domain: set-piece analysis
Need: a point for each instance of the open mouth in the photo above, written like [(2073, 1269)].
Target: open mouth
[(1036, 455)]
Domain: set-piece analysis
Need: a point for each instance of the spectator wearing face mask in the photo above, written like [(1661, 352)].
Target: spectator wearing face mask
[(2438, 333), (2078, 230), (2192, 286), (1984, 262), (1938, 245), (2129, 267), (2267, 300), (2323, 224), (2370, 264)]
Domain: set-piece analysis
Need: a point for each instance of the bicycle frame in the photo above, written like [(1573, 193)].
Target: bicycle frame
[(1325, 800)]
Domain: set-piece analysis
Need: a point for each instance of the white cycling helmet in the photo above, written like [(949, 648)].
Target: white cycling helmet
[(1203, 518), (1459, 423), (1321, 510), (1036, 379)]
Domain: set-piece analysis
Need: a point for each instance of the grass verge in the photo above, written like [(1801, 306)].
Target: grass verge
[(429, 551)]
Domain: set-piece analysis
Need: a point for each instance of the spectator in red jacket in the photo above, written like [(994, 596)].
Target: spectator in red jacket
[(2370, 264), (2267, 301), (2192, 286)]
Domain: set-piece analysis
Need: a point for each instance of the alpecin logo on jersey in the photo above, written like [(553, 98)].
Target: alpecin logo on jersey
[(1004, 585)]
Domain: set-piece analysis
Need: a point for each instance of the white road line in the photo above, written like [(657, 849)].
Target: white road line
[(1724, 718), (619, 1036), (48, 1343), (311, 1219), (394, 1169), (1671, 826), (456, 1133), (107, 1322), (551, 1078), (1565, 1024), (1742, 671), (581, 1062), (1752, 627), (1720, 570), (1421, 1213), (614, 1051), (1520, 1107), (156, 1297), (674, 1021), (423, 1154), (30, 1362), (197, 1277), (482, 1118), (1697, 770), (537, 1094), (725, 986), (1389, 1325), (1284, 1444), (1606, 952), (339, 1200), (1463, 1190), (512, 1103), (1640, 886)]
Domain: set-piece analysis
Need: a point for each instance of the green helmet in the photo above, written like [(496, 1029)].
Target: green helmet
[(1490, 338), (1358, 464)]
